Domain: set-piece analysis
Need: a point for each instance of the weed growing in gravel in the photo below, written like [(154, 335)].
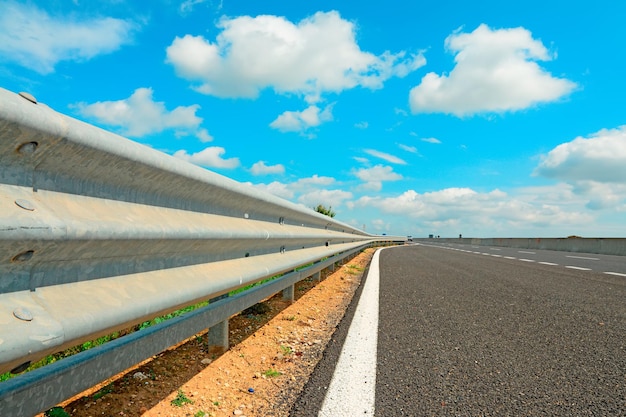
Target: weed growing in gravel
[(271, 373), (56, 412), (200, 414), (181, 399), (104, 391), (353, 269), (287, 350), (289, 318)]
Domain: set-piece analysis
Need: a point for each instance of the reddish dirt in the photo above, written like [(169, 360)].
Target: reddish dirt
[(272, 353)]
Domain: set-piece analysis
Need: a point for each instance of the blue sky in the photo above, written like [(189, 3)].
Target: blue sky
[(487, 119)]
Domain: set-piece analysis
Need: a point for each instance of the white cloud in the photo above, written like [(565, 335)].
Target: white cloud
[(463, 210), (361, 125), (377, 173), (385, 156), (259, 168), (187, 6), (594, 168), (411, 149), (333, 198), (276, 188), (602, 196), (496, 71), (308, 185), (37, 40), (315, 56), (204, 136), (374, 177), (293, 121), (140, 115), (210, 157), (431, 140), (600, 158), (309, 191), (314, 180)]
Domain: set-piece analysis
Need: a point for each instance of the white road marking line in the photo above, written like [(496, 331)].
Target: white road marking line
[(494, 249), (619, 274), (509, 257), (578, 268), (548, 263), (496, 256), (352, 391), (523, 251), (526, 260), (582, 257)]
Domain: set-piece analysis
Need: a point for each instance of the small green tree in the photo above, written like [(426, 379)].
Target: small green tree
[(326, 211)]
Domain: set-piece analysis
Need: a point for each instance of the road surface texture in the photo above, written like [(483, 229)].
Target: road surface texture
[(463, 334)]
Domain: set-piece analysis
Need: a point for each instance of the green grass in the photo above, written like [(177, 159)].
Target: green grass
[(181, 399), (176, 313), (353, 269), (256, 284), (104, 391), (102, 340), (56, 412), (271, 373)]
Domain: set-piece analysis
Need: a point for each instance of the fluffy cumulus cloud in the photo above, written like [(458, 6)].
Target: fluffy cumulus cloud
[(374, 177), (495, 71), (210, 157), (600, 157), (35, 39), (260, 168), (453, 210), (139, 115), (294, 121), (594, 167), (310, 191), (314, 56), (301, 186), (276, 188), (332, 198)]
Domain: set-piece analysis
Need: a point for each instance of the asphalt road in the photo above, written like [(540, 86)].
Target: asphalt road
[(461, 333)]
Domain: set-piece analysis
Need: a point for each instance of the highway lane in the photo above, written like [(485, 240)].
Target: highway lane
[(607, 264), (467, 334)]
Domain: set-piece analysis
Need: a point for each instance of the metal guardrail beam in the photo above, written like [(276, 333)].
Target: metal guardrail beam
[(45, 387), (99, 233)]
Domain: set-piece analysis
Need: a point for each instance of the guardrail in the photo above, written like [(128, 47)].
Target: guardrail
[(99, 233), (605, 246)]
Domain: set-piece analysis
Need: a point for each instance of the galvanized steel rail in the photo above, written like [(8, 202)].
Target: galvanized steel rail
[(99, 233)]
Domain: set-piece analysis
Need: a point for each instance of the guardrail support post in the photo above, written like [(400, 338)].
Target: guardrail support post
[(317, 276), (289, 293), (218, 336)]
